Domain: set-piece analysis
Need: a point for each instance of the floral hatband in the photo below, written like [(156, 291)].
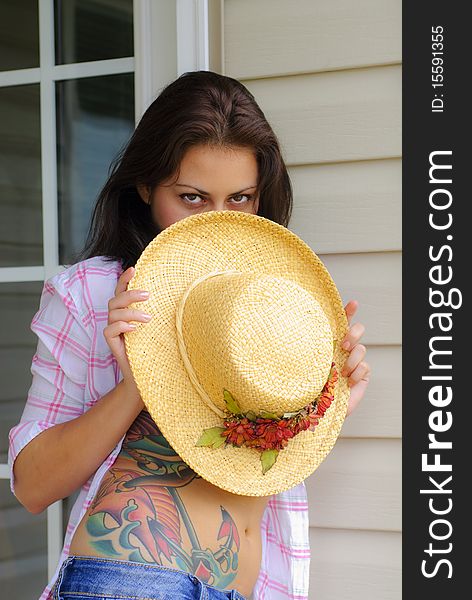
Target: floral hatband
[(266, 432)]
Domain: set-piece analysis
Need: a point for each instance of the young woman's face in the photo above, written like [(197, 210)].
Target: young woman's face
[(210, 178)]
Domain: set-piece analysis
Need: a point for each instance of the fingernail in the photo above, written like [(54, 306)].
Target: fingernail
[(147, 317), (143, 294), (346, 345)]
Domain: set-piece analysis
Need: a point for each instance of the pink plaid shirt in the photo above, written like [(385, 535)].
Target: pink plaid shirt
[(73, 367)]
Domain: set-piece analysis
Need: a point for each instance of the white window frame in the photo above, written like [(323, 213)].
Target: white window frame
[(170, 38)]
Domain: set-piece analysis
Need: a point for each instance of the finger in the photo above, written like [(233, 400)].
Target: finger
[(350, 309), (123, 280), (353, 336), (124, 299), (360, 373), (128, 314), (354, 358), (357, 392), (115, 329)]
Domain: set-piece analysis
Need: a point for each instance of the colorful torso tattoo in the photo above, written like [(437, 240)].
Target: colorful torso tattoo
[(138, 505)]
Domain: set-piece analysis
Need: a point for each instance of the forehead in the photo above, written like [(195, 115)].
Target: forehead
[(220, 166)]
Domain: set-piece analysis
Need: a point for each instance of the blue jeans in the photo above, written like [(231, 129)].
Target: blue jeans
[(94, 578)]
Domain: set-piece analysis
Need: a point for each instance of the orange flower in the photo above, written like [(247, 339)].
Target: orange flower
[(237, 431), (264, 433)]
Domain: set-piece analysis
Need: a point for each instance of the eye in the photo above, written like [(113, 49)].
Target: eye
[(189, 198), (249, 197)]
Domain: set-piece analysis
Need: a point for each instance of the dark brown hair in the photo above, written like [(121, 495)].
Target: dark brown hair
[(199, 107)]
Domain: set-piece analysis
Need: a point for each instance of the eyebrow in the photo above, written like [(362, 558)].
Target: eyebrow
[(208, 193)]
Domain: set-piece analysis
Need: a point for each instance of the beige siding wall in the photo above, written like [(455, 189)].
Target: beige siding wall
[(327, 74)]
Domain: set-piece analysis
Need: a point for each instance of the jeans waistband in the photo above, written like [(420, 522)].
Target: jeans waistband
[(101, 577)]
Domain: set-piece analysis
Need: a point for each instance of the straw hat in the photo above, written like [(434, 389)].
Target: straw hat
[(240, 366)]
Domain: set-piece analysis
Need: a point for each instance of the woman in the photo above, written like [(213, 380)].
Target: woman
[(203, 144)]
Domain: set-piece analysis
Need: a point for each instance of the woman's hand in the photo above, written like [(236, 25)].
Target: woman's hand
[(355, 367), (119, 316)]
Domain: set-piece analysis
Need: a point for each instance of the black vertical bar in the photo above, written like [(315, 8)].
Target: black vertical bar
[(436, 265)]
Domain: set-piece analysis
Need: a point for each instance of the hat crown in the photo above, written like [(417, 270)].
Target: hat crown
[(266, 339)]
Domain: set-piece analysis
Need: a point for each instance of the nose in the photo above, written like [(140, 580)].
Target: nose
[(218, 204)]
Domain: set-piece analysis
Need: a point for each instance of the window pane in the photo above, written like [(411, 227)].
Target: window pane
[(18, 304), (95, 119), (20, 177), (23, 548), (19, 34), (93, 29)]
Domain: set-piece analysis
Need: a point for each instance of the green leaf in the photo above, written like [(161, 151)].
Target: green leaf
[(268, 458), (212, 437), (268, 415), (251, 416), (231, 403), (290, 415)]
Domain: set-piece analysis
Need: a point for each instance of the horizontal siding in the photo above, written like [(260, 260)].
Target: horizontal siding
[(380, 412), (355, 565), (276, 37), (374, 279), (358, 486), (337, 116), (327, 75), (348, 207)]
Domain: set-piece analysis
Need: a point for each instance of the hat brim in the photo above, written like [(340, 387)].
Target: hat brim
[(182, 252)]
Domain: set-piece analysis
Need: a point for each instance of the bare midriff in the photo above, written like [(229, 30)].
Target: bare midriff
[(153, 509)]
